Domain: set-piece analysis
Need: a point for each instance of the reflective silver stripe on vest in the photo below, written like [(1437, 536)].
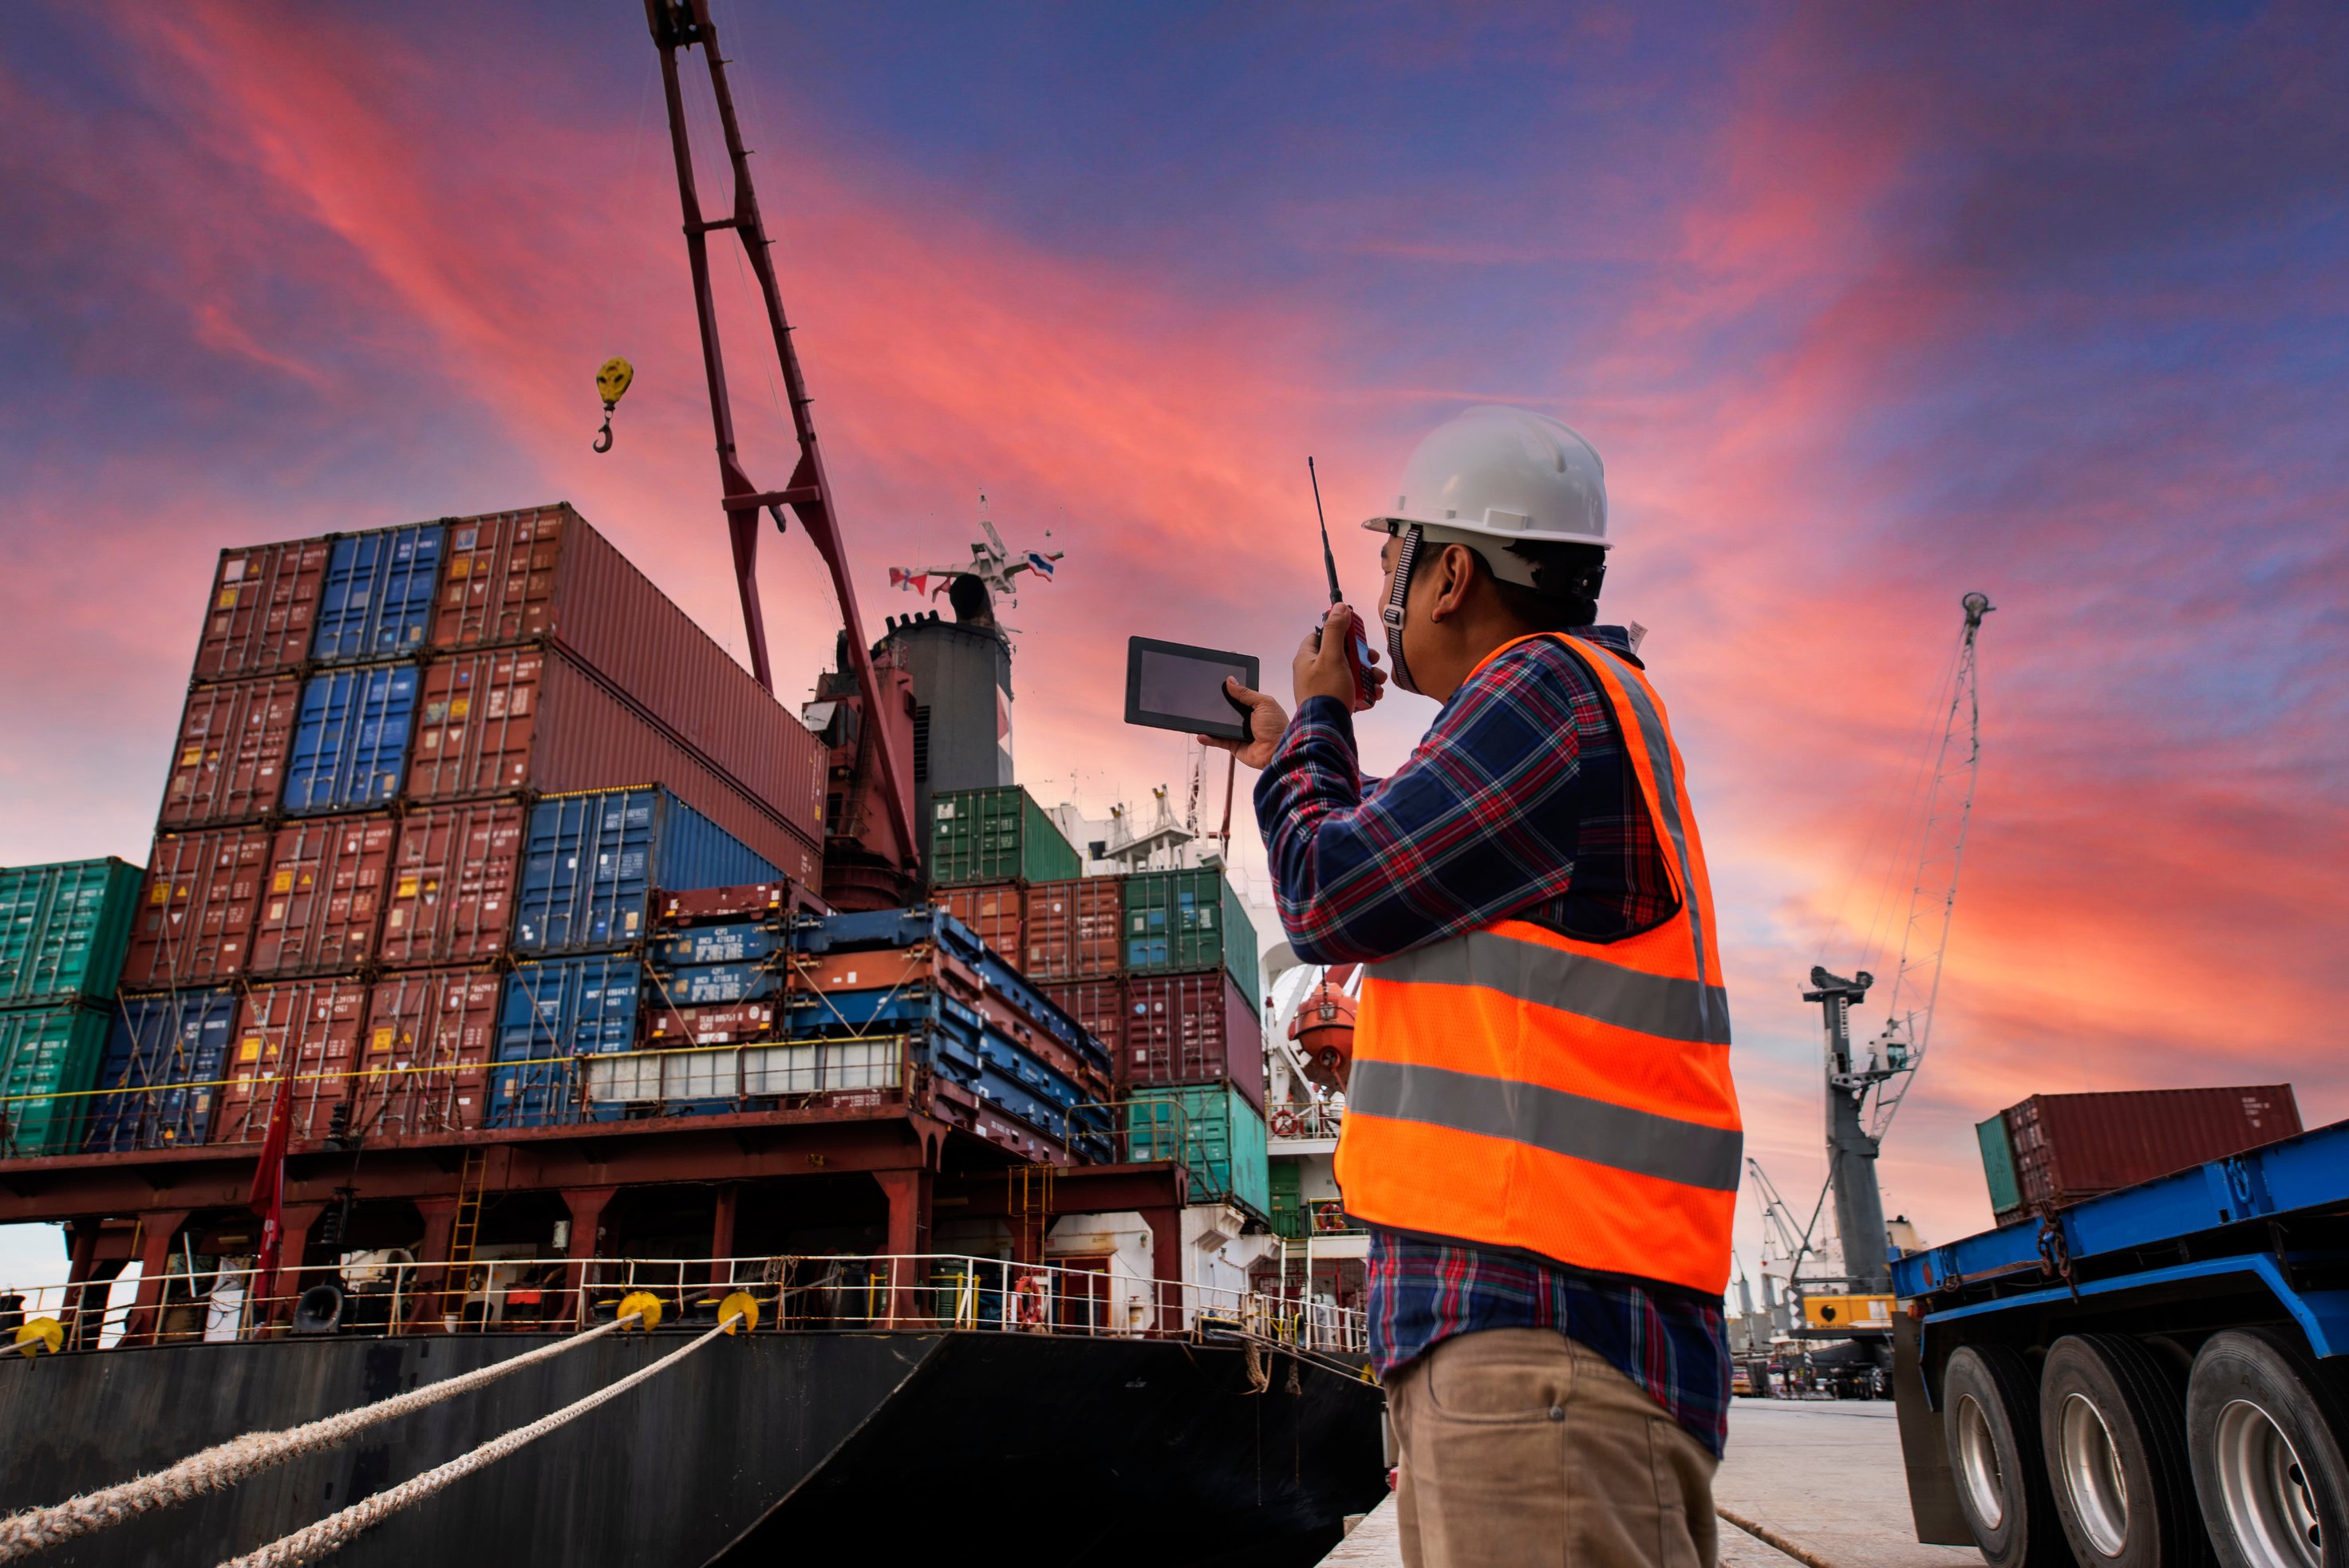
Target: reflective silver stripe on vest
[(1578, 984), (1616, 1136)]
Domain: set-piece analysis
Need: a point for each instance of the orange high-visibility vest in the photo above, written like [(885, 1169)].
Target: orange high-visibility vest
[(1519, 1088)]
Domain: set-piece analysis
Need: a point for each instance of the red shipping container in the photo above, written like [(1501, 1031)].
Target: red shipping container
[(543, 574), (309, 1028), (993, 910), (453, 883), (229, 762), (2071, 1147), (1099, 1005), (265, 607), (1193, 1029), (197, 909), (425, 1068), (1072, 929), (747, 902), (496, 722), (715, 1023), (323, 905)]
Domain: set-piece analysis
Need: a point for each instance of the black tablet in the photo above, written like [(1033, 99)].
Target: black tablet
[(1173, 686)]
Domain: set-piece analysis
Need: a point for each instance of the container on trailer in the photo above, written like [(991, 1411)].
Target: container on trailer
[(64, 929), (552, 1012), (308, 1030), (542, 574), (322, 907), (1192, 1029), (229, 763), (452, 884), (1189, 919), (1072, 928), (2069, 1146), (159, 1079), (350, 739), (1214, 1131), (724, 1024), (1998, 1166), (500, 722), (264, 608), (752, 900), (197, 908), (1099, 1008), (993, 911), (425, 1066), (591, 862), (376, 601), (997, 834), (50, 1059)]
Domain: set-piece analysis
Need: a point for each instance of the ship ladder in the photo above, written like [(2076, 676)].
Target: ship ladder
[(467, 1227)]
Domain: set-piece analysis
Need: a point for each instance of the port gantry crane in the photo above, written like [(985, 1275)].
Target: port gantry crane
[(677, 25), (1863, 1095)]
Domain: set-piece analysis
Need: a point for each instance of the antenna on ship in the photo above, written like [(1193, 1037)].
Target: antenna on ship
[(993, 566)]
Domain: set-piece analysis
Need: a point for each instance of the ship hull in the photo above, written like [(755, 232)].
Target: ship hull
[(1063, 1450)]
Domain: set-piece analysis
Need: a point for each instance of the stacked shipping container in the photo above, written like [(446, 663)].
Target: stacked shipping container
[(63, 931)]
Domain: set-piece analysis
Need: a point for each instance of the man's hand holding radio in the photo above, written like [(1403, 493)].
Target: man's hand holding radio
[(1321, 670)]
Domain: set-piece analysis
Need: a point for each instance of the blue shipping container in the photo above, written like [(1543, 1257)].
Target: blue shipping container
[(699, 984), (174, 1046), (350, 739), (377, 598), (738, 942), (591, 863), (550, 1012)]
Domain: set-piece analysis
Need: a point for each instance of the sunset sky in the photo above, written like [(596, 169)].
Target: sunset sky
[(1862, 313)]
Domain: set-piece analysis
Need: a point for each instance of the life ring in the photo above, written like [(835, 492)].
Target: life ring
[(1284, 1124), (1032, 1301)]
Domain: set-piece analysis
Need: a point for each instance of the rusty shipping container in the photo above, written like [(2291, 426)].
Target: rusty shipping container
[(495, 722), (229, 763), (1072, 929), (322, 906), (1193, 1028), (425, 1066), (307, 1028), (450, 897), (263, 611), (197, 909), (993, 911), (1097, 1004), (2071, 1147), (543, 575), (750, 902)]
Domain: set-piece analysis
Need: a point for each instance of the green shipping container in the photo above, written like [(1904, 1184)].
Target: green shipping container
[(48, 1051), (996, 835), (64, 929), (1211, 1128), (1178, 921), (1998, 1165)]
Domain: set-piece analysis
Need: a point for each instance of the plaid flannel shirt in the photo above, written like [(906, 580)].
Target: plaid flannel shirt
[(1518, 804)]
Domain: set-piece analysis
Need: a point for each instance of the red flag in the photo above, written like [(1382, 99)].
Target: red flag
[(268, 1198)]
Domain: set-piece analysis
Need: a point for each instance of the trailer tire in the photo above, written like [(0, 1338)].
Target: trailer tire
[(1990, 1423), (2112, 1419), (2264, 1432)]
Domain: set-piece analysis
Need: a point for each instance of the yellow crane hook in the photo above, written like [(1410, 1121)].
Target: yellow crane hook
[(612, 379)]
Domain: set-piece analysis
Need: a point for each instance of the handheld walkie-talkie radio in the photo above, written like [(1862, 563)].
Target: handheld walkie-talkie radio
[(1358, 649)]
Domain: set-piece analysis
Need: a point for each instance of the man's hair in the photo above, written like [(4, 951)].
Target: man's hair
[(1567, 580)]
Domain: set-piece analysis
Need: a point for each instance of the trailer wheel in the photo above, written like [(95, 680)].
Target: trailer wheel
[(2261, 1427), (1990, 1421), (2113, 1420)]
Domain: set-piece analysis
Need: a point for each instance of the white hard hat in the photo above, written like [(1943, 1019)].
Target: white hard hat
[(1504, 475)]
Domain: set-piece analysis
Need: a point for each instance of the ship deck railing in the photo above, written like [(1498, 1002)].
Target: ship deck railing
[(377, 1295)]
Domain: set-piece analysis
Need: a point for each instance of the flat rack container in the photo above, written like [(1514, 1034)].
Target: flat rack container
[(997, 834), (305, 1029), (591, 863), (350, 739), (543, 574), (264, 610), (48, 1060), (1214, 1132), (454, 873), (1071, 928), (1193, 1029), (2071, 1147), (1188, 920), (197, 908), (425, 1068), (323, 907), (160, 1076), (229, 763), (64, 929)]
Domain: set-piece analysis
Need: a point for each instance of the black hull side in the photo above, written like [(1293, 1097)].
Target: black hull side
[(1071, 1451)]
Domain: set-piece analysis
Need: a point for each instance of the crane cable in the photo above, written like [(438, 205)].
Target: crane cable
[(336, 1531), (225, 1464)]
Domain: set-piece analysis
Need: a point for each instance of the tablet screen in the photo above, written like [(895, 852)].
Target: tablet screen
[(1175, 687)]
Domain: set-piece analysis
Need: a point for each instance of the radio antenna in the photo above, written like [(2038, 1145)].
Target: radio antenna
[(1329, 561)]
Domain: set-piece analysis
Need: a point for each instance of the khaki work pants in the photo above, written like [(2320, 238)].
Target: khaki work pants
[(1521, 1447)]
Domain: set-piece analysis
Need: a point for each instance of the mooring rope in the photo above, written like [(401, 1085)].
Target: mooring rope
[(336, 1531), (1769, 1536), (225, 1465)]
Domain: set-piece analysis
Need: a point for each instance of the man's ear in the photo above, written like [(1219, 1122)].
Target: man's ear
[(1456, 570)]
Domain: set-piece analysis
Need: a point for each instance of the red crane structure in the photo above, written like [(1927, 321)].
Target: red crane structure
[(679, 25)]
